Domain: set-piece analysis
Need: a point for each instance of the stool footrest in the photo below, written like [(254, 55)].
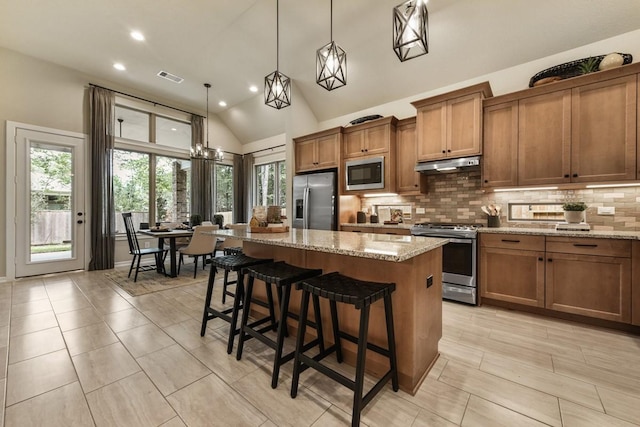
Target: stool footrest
[(370, 346)]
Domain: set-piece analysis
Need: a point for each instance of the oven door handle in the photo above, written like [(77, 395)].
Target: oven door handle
[(466, 241)]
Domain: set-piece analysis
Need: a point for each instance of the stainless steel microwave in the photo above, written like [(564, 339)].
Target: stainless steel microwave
[(365, 174)]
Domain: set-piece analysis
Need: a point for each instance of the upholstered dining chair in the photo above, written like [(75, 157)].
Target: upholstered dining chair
[(138, 252), (202, 244)]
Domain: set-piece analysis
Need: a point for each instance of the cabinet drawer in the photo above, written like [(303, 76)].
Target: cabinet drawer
[(399, 231), (589, 246), (512, 241)]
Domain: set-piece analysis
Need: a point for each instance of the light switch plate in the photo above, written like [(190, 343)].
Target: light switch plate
[(602, 210), (419, 210)]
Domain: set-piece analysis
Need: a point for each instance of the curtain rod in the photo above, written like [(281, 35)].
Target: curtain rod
[(145, 100), (257, 151)]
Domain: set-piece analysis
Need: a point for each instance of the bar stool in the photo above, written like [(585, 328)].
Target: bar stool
[(282, 275), (227, 282), (232, 263), (339, 288)]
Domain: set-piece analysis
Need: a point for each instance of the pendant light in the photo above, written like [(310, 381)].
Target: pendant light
[(277, 86), (201, 152), (411, 29), (331, 63)]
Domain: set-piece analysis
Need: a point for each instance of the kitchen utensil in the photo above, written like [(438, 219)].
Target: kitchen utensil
[(485, 210)]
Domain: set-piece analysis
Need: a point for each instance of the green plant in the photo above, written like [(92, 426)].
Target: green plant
[(574, 206), (589, 65), (195, 219)]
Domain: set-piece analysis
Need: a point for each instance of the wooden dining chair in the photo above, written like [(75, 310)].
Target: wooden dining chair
[(202, 244), (138, 252)]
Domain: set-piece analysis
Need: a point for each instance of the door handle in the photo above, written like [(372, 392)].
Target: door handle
[(584, 245)]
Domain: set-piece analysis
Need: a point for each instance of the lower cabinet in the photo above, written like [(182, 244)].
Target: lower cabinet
[(635, 284), (512, 268), (377, 230), (586, 276)]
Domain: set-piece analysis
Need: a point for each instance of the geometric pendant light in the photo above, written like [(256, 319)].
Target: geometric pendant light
[(277, 86), (411, 29), (331, 63)]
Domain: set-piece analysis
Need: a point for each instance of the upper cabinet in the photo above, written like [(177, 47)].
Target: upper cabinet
[(368, 139), (318, 151), (408, 181), (578, 130), (450, 125)]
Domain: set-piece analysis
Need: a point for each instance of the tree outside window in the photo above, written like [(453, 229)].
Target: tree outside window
[(224, 191), (270, 184)]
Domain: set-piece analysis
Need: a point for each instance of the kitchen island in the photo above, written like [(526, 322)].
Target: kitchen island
[(413, 263)]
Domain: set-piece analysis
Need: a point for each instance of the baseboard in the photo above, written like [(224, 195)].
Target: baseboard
[(3, 279)]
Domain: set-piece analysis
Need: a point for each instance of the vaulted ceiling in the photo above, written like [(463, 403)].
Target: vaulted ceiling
[(232, 45)]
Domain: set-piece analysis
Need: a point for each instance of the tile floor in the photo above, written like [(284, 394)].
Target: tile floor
[(81, 352)]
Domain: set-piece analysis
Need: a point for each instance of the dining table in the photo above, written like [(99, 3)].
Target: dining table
[(170, 235)]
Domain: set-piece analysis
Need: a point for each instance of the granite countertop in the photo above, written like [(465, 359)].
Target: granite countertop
[(377, 225), (598, 234), (383, 247)]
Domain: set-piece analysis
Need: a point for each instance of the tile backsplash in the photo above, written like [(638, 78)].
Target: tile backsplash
[(457, 197)]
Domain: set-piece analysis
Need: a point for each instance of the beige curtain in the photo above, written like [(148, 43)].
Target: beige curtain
[(103, 240)]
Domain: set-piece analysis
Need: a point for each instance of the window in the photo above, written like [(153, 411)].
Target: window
[(224, 191), (152, 180), (270, 184)]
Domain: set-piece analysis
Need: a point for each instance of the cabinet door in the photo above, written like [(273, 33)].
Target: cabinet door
[(408, 180), (544, 139), (376, 140), (431, 131), (512, 275), (603, 138), (500, 145), (353, 144), (328, 151), (305, 155), (635, 285), (463, 126), (594, 286)]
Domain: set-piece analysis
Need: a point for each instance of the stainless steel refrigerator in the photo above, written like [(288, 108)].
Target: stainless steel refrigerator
[(315, 201)]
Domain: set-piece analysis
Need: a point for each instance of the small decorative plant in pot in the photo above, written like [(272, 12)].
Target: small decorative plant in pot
[(574, 212)]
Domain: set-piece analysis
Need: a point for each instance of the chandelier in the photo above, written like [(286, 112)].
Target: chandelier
[(277, 86), (202, 152), (411, 29), (331, 63)]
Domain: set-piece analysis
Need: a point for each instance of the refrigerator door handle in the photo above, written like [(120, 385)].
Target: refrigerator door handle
[(305, 220)]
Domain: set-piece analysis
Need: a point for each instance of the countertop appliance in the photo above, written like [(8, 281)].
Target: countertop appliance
[(459, 258), (448, 165), (365, 174), (314, 200)]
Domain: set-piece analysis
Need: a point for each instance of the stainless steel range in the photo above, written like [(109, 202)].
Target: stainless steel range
[(459, 258)]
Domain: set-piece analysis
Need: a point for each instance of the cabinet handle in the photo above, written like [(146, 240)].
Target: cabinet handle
[(540, 259), (566, 176), (448, 151), (362, 150), (575, 175), (415, 185), (584, 245), (511, 240), (550, 260), (366, 150), (486, 181), (443, 151)]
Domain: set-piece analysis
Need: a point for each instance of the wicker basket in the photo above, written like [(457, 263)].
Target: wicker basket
[(572, 69)]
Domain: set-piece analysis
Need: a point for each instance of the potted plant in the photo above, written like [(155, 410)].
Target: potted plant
[(574, 212), (195, 219)]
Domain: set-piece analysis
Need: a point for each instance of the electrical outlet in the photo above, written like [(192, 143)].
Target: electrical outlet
[(147, 245), (429, 281), (606, 210), (419, 210)]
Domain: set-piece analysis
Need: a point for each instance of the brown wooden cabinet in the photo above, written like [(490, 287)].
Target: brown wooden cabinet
[(377, 230), (318, 151), (500, 145), (450, 125), (578, 130), (512, 268), (603, 137), (408, 181), (369, 139), (544, 139), (635, 284), (590, 277), (357, 229)]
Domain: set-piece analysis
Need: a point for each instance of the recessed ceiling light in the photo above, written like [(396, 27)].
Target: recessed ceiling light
[(137, 35), (174, 129), (222, 104), (119, 66), (253, 88)]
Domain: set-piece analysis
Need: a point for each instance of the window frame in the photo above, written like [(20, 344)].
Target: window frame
[(276, 189)]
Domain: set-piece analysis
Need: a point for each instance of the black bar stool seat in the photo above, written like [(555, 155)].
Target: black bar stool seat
[(361, 294), (230, 263), (282, 275)]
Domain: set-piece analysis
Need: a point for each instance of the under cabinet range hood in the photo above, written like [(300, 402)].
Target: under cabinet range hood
[(448, 165)]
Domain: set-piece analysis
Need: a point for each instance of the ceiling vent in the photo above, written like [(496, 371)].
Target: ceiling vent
[(169, 76)]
